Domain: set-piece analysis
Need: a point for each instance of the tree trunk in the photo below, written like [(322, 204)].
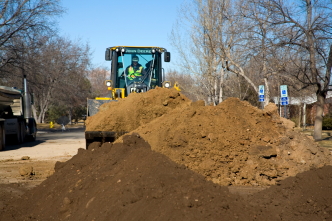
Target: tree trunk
[(319, 117), (215, 94), (34, 111), (300, 114), (43, 109), (70, 116), (39, 118), (304, 115), (267, 92), (221, 83), (43, 117)]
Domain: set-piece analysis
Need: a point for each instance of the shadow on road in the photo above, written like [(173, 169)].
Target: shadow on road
[(11, 146), (45, 135)]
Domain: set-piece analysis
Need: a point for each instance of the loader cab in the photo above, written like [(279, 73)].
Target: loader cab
[(146, 62)]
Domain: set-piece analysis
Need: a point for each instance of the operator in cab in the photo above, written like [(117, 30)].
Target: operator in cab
[(135, 69)]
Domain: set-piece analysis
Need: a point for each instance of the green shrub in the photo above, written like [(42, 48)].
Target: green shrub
[(327, 123)]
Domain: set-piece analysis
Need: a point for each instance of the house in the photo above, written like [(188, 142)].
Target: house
[(302, 110)]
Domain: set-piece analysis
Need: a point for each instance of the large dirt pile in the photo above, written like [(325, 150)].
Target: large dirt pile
[(234, 143), (128, 181), (135, 110)]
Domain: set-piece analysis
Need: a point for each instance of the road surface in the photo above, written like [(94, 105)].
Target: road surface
[(39, 157), (48, 145)]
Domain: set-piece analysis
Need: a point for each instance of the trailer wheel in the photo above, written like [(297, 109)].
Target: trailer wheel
[(32, 130), (2, 137), (23, 132), (19, 134)]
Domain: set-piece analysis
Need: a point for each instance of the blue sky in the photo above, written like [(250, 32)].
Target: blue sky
[(105, 23)]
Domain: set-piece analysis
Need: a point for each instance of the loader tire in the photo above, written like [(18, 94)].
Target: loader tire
[(2, 137)]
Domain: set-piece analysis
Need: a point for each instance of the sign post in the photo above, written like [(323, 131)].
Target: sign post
[(261, 94), (284, 98)]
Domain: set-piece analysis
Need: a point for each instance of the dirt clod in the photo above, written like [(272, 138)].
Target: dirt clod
[(26, 171), (25, 158)]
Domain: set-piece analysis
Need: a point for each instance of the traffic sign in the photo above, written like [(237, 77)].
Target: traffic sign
[(283, 90), (284, 103), (261, 90), (261, 96), (284, 99), (261, 99)]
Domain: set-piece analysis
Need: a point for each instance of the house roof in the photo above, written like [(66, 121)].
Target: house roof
[(302, 100)]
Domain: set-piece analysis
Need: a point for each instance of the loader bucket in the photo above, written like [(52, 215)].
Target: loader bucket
[(101, 136)]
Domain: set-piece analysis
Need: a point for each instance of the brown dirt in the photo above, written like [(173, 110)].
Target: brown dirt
[(233, 143), (136, 110), (197, 151), (29, 172)]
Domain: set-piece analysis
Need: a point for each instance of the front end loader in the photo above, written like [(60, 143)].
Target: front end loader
[(133, 70)]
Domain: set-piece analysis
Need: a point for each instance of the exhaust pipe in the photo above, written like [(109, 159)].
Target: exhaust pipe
[(26, 100)]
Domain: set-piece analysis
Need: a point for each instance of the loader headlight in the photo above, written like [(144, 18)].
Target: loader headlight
[(123, 50), (108, 83), (167, 84), (153, 51)]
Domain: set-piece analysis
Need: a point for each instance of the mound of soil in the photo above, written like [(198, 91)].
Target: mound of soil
[(129, 181), (234, 143), (135, 110)]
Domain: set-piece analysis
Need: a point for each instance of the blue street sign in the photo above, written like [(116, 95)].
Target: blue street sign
[(284, 103), (284, 99), (283, 90), (261, 99), (261, 89), (261, 96)]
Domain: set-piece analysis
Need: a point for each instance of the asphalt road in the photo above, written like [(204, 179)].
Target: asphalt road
[(48, 145)]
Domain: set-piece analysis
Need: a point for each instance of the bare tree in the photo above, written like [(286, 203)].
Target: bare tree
[(97, 77), (188, 85), (304, 28), (260, 50), (201, 55), (22, 20), (57, 71), (56, 68), (219, 45)]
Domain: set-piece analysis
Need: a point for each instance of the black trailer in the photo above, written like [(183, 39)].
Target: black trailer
[(16, 122)]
